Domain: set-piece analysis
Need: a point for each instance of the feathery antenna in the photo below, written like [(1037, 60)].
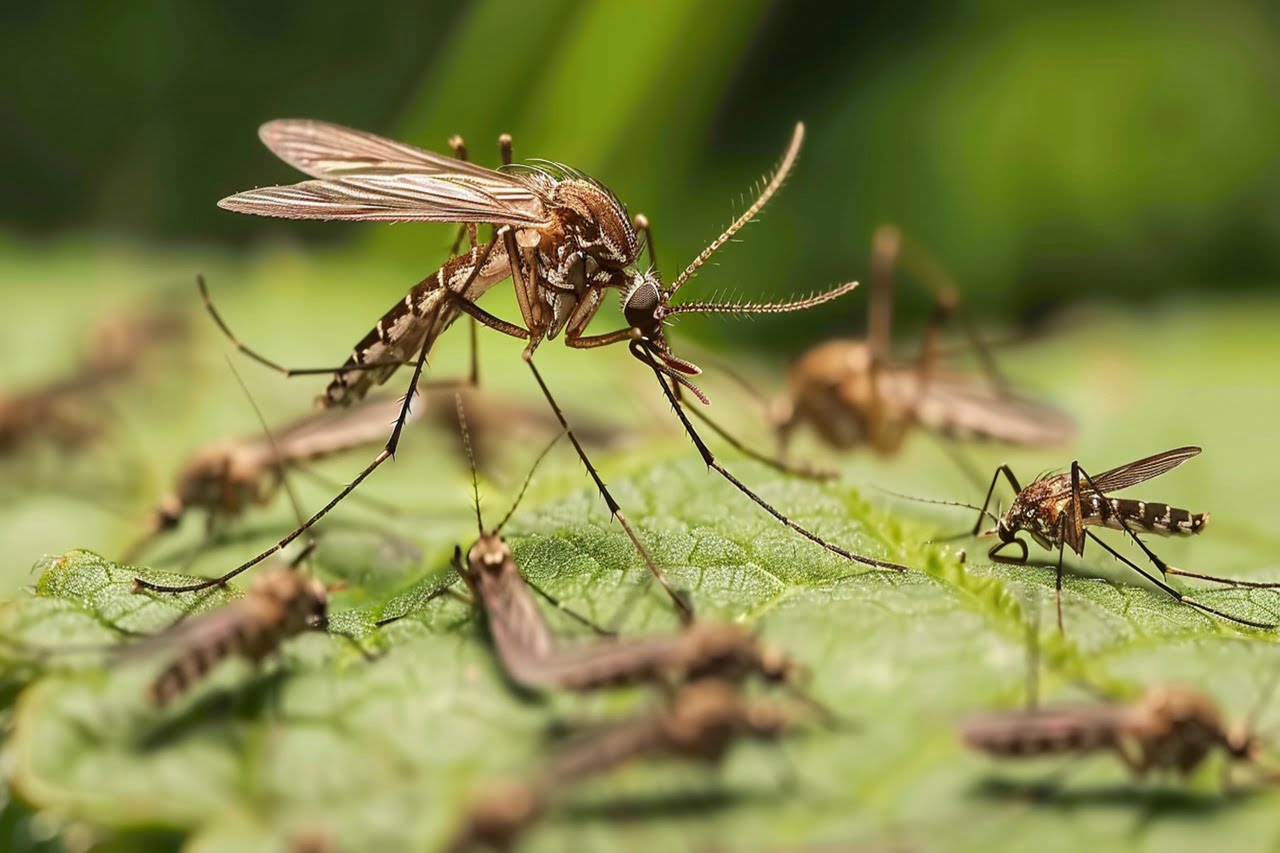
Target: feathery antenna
[(527, 480), (761, 307), (775, 182), (937, 502), (471, 460)]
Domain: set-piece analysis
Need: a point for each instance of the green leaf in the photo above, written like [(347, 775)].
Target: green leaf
[(386, 753)]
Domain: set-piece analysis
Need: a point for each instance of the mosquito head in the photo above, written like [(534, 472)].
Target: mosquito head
[(489, 553), (167, 515)]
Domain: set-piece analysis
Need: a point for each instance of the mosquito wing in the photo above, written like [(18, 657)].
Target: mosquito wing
[(195, 631), (324, 150), (1142, 470), (392, 197), (329, 432), (960, 407)]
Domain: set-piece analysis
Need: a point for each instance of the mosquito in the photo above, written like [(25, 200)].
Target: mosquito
[(560, 236), (533, 659), (1170, 727), (225, 477), (701, 723), (852, 392), (1057, 510)]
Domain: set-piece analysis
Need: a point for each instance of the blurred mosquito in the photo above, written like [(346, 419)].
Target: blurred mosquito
[(564, 240), (533, 659), (225, 477), (701, 722), (1057, 510), (1169, 728), (852, 392)]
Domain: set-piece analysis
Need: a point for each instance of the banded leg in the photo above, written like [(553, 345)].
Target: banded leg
[(1079, 473), (388, 452)]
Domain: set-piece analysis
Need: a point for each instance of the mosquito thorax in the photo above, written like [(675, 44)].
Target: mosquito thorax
[(598, 223)]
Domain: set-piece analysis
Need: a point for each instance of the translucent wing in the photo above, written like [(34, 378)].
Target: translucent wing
[(1142, 470), (195, 631), (324, 150), (396, 197)]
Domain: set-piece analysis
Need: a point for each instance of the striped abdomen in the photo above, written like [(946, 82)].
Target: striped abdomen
[(1142, 515), (413, 322), (194, 662), (1029, 734)]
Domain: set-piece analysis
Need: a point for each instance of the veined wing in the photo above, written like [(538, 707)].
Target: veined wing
[(1142, 470), (324, 150), (397, 197), (966, 408)]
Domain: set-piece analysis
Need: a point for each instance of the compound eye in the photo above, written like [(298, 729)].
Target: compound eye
[(640, 304)]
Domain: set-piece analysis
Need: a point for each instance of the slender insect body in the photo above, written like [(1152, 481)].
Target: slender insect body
[(1170, 728), (279, 604), (415, 321), (1058, 510), (566, 239), (703, 649), (851, 392), (701, 723), (519, 632), (227, 476)]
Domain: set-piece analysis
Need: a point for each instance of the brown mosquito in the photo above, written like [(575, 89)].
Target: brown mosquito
[(570, 240), (226, 477), (533, 659), (852, 392), (1057, 510), (701, 722), (1170, 727)]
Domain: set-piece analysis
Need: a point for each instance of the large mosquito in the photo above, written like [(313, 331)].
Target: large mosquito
[(1057, 511), (852, 392), (563, 239)]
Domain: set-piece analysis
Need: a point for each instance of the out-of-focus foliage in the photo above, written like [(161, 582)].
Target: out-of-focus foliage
[(1045, 153)]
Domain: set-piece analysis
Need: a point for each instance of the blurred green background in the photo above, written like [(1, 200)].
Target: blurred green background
[(1044, 152), (1116, 165)]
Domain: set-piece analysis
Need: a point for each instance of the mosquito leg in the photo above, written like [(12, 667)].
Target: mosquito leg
[(463, 304), (775, 462), (572, 614), (709, 458), (960, 459), (388, 451), (1058, 582), (615, 510), (1173, 593), (1013, 481), (1165, 568), (459, 148), (885, 245), (641, 223), (271, 364)]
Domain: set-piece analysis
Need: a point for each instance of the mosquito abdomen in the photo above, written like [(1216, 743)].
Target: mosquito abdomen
[(1032, 734), (1152, 517), (193, 664), (417, 319)]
